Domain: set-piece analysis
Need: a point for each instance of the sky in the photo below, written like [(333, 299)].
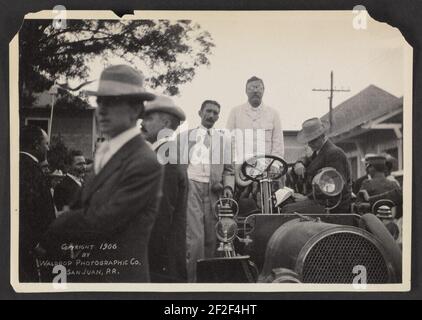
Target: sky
[(293, 52)]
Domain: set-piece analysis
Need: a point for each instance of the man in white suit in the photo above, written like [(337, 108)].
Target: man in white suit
[(211, 175), (256, 117), (257, 130)]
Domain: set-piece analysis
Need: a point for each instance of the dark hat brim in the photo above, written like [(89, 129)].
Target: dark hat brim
[(170, 110)]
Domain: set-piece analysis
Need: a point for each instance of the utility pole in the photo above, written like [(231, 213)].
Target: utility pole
[(330, 98)]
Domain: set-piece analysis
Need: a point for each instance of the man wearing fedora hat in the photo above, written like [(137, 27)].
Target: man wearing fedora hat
[(161, 118), (325, 154), (117, 207), (167, 246)]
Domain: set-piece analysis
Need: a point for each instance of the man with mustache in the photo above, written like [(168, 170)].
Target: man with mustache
[(258, 130), (67, 190), (210, 176)]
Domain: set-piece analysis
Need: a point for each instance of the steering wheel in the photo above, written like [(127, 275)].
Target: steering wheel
[(264, 166)]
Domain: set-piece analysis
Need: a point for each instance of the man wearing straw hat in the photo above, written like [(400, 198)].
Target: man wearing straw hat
[(167, 246), (118, 205), (325, 154)]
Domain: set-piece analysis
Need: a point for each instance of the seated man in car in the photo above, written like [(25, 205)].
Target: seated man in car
[(379, 186), (325, 154)]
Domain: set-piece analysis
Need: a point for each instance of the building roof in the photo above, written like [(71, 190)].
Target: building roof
[(369, 104)]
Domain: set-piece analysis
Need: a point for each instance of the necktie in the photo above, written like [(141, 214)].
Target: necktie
[(100, 156), (207, 139)]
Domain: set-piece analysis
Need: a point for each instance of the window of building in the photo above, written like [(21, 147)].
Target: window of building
[(39, 122)]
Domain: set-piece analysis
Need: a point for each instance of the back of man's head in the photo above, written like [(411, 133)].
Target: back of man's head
[(73, 154), (379, 167), (30, 137), (376, 163)]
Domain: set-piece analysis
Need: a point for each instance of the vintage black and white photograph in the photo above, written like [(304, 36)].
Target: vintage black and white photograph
[(210, 151)]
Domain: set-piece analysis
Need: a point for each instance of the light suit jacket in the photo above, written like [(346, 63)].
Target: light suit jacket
[(266, 118), (222, 170)]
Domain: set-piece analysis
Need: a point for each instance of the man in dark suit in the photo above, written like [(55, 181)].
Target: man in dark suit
[(167, 247), (35, 201), (356, 185), (325, 154), (113, 217), (67, 190)]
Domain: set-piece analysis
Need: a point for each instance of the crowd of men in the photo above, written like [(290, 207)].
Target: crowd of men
[(161, 213)]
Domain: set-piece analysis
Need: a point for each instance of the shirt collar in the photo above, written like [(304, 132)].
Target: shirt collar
[(258, 108), (158, 143), (120, 140), (77, 180), (205, 130), (31, 156), (325, 142)]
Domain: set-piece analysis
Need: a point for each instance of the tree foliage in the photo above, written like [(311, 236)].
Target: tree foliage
[(170, 50)]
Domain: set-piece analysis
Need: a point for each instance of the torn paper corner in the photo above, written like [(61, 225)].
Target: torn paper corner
[(395, 31)]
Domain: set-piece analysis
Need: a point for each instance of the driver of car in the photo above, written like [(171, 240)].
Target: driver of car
[(325, 154)]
